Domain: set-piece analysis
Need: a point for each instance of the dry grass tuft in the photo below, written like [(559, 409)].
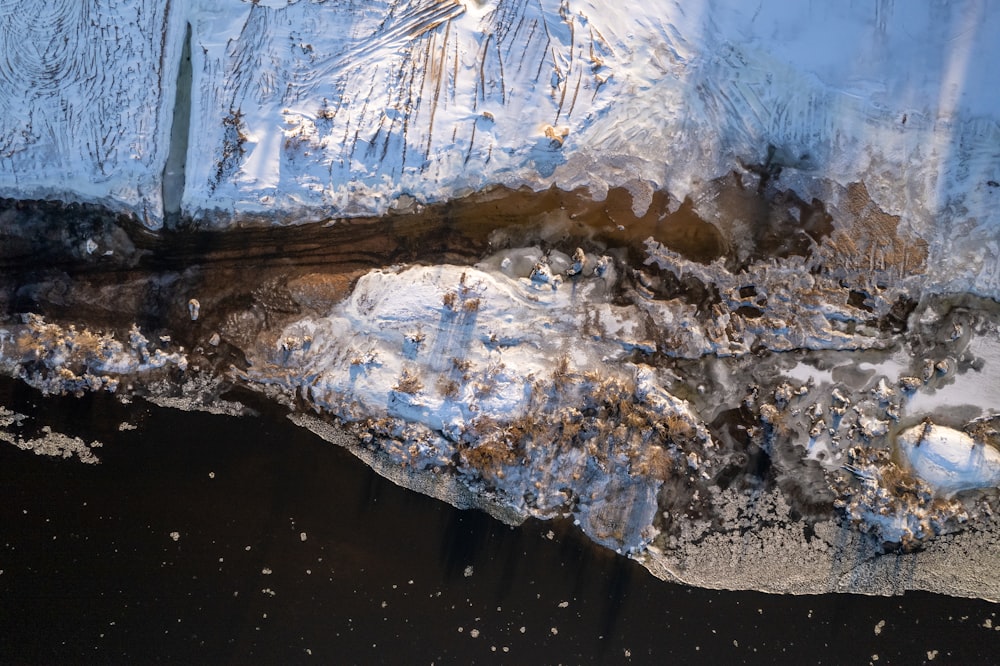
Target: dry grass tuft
[(448, 388), (874, 243), (409, 382)]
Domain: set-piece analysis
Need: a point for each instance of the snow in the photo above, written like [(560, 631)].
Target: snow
[(432, 99), (950, 460), (58, 360), (315, 110), (398, 321), (86, 94)]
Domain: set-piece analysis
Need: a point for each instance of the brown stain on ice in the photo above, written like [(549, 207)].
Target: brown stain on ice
[(873, 242), (147, 271), (563, 219), (320, 291)]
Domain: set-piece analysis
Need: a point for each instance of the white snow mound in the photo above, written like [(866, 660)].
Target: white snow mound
[(950, 460)]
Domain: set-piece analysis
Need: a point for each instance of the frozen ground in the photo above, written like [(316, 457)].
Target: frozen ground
[(312, 110), (827, 383)]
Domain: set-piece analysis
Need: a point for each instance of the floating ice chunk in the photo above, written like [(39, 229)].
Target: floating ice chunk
[(872, 427), (948, 459), (882, 392)]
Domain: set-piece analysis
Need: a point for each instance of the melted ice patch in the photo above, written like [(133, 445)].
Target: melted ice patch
[(804, 373), (978, 387)]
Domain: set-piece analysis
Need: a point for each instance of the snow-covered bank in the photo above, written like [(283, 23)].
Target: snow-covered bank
[(433, 98), (311, 110), (86, 95), (429, 96)]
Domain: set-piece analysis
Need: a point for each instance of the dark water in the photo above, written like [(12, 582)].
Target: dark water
[(91, 574)]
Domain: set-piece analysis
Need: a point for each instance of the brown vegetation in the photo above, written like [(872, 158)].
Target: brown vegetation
[(409, 382)]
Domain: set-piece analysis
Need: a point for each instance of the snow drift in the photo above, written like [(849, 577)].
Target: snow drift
[(310, 110)]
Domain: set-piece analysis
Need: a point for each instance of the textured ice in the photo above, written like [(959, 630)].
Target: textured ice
[(60, 360), (47, 442), (314, 110), (86, 95)]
